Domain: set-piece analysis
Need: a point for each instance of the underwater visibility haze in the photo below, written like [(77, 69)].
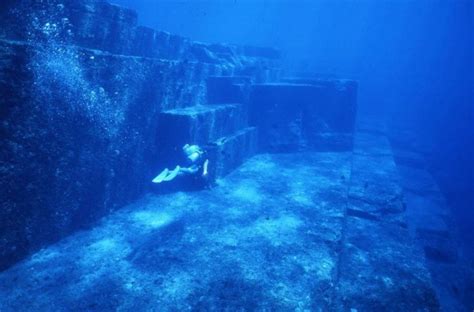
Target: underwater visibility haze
[(236, 155)]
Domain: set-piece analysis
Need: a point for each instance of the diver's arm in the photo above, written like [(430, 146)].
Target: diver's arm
[(205, 168)]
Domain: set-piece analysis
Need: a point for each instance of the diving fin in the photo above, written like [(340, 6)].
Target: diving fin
[(173, 174), (161, 177)]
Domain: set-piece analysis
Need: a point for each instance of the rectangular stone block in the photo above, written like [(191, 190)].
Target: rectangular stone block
[(317, 116), (177, 47), (90, 24), (153, 43), (375, 192), (277, 110), (339, 97), (199, 124), (335, 105), (147, 43), (103, 26), (229, 152)]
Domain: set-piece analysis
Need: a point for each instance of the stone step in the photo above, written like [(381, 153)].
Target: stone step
[(379, 260), (375, 186), (229, 152), (277, 110), (104, 26), (429, 216), (152, 43), (418, 181), (322, 82), (93, 24), (409, 158), (430, 221), (198, 124), (230, 79), (227, 89)]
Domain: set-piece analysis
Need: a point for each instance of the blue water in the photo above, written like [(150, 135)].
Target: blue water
[(236, 155)]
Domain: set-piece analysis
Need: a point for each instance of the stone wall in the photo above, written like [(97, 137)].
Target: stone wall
[(94, 106), (82, 90)]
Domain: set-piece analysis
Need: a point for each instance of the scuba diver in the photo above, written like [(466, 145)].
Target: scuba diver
[(198, 166)]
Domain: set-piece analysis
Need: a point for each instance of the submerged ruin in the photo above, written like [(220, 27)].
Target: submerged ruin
[(316, 207)]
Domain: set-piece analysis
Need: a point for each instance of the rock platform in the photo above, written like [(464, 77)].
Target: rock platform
[(309, 231)]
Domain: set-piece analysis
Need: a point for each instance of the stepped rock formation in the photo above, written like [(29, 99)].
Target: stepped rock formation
[(82, 90), (313, 208)]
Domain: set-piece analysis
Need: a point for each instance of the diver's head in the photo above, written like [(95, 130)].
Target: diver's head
[(190, 149), (193, 152)]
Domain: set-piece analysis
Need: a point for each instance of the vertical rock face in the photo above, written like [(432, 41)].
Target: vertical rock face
[(73, 138), (82, 90), (230, 89), (228, 153), (301, 114), (94, 105), (277, 109)]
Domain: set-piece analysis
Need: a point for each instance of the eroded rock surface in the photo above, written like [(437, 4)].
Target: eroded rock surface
[(280, 233), (82, 90)]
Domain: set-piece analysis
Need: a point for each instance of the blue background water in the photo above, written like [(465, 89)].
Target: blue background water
[(312, 208), (413, 60)]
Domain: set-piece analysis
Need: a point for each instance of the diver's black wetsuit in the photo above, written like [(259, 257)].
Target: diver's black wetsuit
[(197, 181)]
